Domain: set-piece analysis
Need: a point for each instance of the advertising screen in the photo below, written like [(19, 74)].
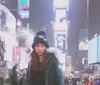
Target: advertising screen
[(24, 4), (60, 14), (98, 48), (92, 52), (83, 39), (61, 42), (60, 3), (24, 13)]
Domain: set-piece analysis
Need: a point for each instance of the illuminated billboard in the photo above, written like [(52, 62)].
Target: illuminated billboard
[(94, 48), (92, 52), (60, 13), (60, 3), (98, 48), (24, 13), (23, 4), (60, 29), (83, 39)]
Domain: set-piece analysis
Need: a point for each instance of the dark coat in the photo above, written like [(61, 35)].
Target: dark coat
[(53, 73), (74, 81), (14, 78)]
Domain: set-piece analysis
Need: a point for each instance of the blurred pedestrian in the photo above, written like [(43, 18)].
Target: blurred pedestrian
[(86, 81), (21, 75), (66, 81), (74, 80), (14, 76)]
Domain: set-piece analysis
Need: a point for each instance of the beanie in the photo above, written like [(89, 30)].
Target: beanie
[(40, 38)]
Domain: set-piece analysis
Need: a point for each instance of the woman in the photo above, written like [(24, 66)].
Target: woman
[(44, 66)]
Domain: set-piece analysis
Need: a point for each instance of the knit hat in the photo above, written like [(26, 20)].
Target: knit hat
[(40, 38)]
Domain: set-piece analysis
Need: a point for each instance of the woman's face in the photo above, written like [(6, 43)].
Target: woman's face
[(40, 49)]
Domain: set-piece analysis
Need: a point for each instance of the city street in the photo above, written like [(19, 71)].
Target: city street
[(50, 39)]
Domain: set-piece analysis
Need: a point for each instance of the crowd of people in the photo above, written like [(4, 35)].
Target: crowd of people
[(82, 80), (18, 77), (21, 78)]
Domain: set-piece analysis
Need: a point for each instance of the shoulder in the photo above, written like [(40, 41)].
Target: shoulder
[(57, 53), (50, 54), (52, 57)]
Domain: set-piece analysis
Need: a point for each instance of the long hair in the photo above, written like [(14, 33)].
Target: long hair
[(36, 65)]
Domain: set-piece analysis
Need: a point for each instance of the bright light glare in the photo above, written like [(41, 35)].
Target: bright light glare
[(60, 3), (60, 14), (60, 26), (30, 37)]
